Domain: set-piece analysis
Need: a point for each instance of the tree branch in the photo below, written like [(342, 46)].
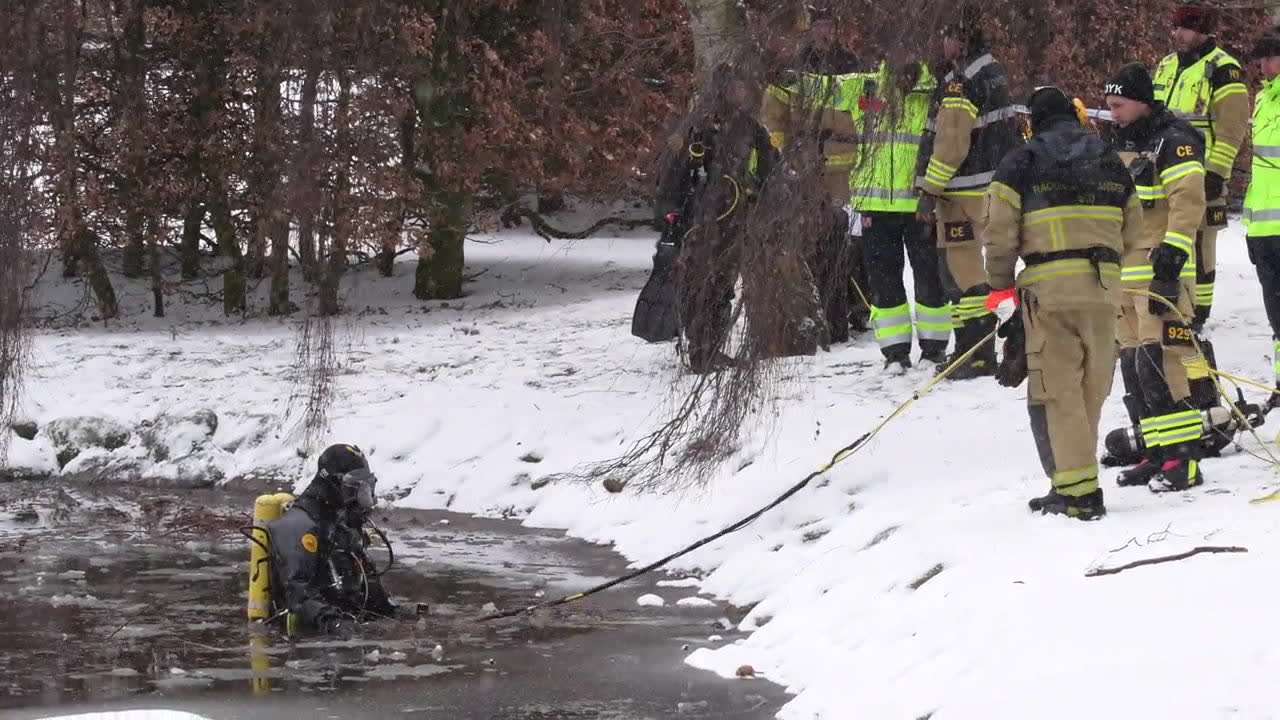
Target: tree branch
[(1096, 572)]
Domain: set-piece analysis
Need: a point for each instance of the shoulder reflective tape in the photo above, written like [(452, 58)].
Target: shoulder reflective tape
[(977, 65), (995, 116)]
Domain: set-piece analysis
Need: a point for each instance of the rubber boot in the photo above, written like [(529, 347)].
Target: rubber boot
[(1084, 507), (1144, 471), (897, 361), (1180, 472), (935, 355)]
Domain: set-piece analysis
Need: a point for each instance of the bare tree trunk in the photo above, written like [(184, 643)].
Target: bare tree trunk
[(79, 242), (280, 304), (265, 182), (267, 191), (391, 239), (233, 280), (439, 275), (336, 262), (304, 185), (133, 118), (153, 259), (716, 26), (192, 221)]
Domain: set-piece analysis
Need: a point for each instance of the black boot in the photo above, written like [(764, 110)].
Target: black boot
[(1084, 507), (1273, 402), (1181, 471), (1140, 474), (1200, 317), (937, 356), (897, 361)]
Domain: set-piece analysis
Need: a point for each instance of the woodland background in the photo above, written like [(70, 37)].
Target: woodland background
[(236, 137)]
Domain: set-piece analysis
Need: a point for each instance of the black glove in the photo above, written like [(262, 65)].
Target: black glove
[(1167, 289), (1213, 186), (1013, 364), (926, 208)]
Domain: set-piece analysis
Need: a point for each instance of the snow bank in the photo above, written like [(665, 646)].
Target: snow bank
[(909, 580)]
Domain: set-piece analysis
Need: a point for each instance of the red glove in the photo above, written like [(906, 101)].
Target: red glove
[(995, 297)]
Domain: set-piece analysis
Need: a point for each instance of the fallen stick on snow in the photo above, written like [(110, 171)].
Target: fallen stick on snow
[(1095, 572)]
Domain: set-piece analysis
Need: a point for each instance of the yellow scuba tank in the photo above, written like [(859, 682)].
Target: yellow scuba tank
[(265, 509)]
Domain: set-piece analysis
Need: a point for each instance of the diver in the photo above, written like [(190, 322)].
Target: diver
[(319, 569)]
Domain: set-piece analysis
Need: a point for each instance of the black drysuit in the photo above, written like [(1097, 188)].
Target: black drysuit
[(319, 569)]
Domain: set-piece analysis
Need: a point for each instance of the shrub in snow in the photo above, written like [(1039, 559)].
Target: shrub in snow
[(29, 459), (171, 437), (73, 435)]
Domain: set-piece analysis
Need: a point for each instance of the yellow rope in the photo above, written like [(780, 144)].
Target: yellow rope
[(955, 364)]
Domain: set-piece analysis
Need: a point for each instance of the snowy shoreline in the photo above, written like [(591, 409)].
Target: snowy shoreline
[(465, 407)]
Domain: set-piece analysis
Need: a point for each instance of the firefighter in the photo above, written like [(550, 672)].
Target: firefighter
[(691, 288), (1165, 157), (884, 194), (828, 83), (1262, 202), (1204, 85), (1064, 203), (319, 569), (975, 125)]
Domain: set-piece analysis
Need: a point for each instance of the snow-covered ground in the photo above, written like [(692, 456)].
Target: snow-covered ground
[(464, 405)]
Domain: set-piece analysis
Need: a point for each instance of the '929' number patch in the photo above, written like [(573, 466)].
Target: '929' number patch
[(1177, 334)]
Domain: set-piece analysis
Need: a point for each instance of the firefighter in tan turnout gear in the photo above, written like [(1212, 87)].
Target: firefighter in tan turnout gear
[(1065, 204), (1165, 157), (973, 128), (1204, 85)]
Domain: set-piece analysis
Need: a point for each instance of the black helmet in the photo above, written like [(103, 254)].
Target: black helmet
[(338, 460), (347, 468)]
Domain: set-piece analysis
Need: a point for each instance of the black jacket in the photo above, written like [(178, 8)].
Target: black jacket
[(984, 82)]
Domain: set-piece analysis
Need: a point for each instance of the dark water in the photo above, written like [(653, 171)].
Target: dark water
[(112, 604)]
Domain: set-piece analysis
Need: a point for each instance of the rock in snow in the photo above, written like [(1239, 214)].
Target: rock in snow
[(650, 600)]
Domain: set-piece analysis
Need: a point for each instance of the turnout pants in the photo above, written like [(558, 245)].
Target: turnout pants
[(1158, 363), (1264, 253), (1071, 360), (964, 276), (889, 234)]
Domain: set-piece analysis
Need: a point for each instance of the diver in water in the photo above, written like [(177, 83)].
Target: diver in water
[(320, 571)]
